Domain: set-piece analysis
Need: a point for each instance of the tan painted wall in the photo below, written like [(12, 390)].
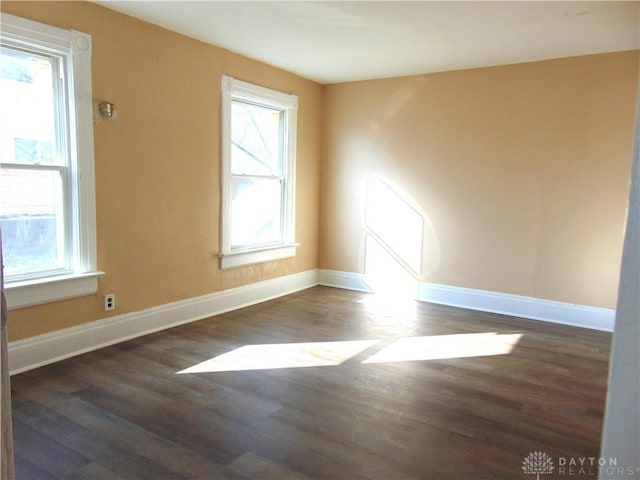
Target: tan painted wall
[(157, 165), (521, 172)]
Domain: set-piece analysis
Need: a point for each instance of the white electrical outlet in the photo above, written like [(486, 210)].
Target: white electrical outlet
[(109, 302)]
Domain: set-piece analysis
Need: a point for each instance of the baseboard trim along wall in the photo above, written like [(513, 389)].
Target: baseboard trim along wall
[(507, 304), (595, 318), (51, 347), (346, 280)]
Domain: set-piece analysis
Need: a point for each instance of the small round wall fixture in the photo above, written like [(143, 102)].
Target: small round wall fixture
[(106, 109)]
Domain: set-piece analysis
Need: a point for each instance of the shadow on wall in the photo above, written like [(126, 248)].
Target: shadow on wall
[(394, 241)]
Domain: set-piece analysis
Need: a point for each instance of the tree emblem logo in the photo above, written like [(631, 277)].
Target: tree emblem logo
[(537, 463)]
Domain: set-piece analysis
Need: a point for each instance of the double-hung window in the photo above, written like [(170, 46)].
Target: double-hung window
[(47, 202), (258, 173)]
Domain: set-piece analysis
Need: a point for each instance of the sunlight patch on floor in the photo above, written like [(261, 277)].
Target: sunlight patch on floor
[(440, 347), (322, 354), (283, 355)]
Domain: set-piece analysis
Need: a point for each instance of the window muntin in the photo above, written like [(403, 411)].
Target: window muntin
[(47, 200), (258, 166)]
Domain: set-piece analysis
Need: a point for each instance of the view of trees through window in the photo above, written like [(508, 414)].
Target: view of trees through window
[(257, 174)]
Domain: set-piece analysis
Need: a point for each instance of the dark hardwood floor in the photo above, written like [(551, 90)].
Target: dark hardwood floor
[(390, 400)]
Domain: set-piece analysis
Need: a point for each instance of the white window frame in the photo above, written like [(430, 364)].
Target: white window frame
[(75, 49), (233, 89)]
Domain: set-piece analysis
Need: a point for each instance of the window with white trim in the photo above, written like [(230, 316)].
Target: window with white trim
[(258, 173), (47, 199)]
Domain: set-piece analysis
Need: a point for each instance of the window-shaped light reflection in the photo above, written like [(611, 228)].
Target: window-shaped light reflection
[(439, 347), (283, 355), (392, 283), (322, 354), (394, 223)]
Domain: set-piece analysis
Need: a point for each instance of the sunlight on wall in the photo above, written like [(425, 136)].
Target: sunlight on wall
[(386, 277), (394, 224), (393, 244), (321, 354)]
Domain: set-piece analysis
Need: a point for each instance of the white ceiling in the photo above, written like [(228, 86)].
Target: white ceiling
[(342, 41)]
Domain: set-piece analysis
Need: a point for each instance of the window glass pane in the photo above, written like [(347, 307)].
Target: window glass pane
[(255, 211), (27, 116), (255, 139), (31, 212)]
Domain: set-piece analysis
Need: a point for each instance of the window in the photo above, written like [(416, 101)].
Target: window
[(47, 203), (258, 168)]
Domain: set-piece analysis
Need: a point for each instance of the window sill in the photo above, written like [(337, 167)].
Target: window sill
[(250, 257), (52, 289)]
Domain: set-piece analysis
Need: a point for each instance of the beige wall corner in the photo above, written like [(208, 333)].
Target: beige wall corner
[(520, 174)]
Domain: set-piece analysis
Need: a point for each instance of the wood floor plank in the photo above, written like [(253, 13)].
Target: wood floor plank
[(253, 466), (45, 453), (26, 470), (95, 471), (127, 411)]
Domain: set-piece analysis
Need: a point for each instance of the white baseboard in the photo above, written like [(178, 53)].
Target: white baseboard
[(346, 280), (44, 349), (596, 318), (51, 347)]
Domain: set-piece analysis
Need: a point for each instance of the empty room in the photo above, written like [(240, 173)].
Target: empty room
[(320, 240)]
